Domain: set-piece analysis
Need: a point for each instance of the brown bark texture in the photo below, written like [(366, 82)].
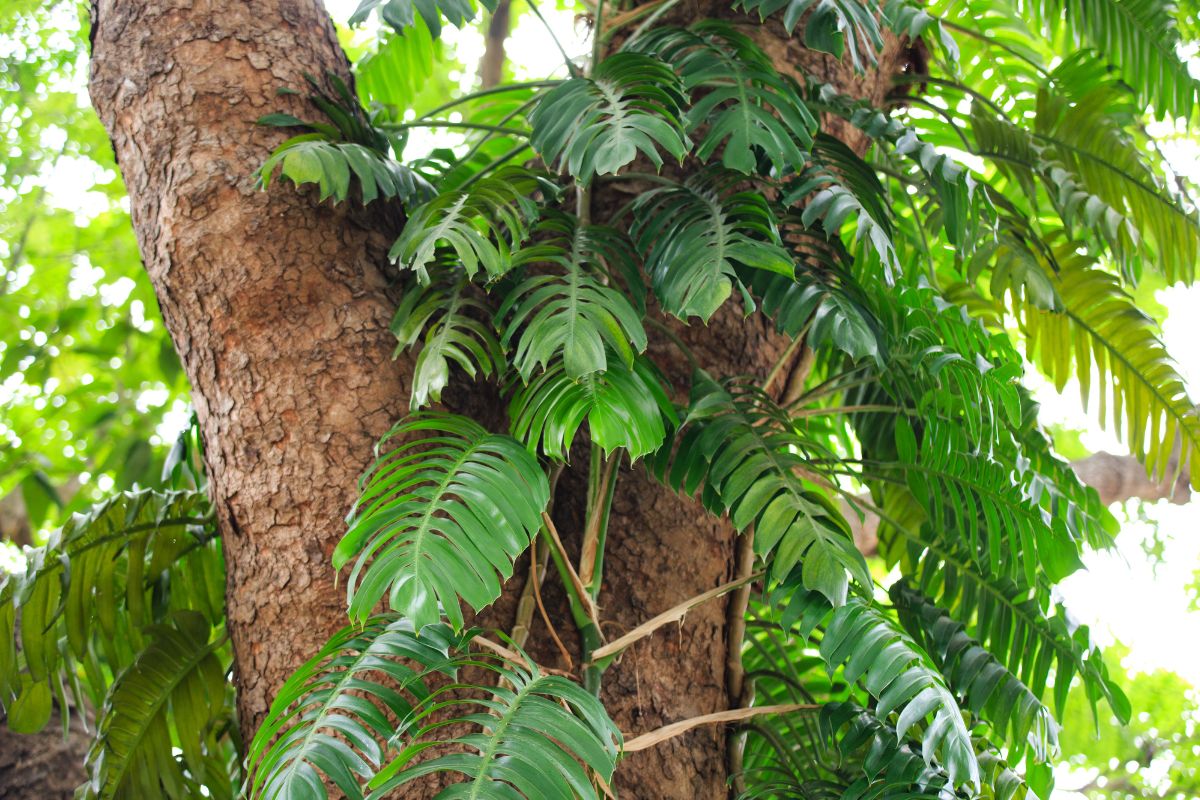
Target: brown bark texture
[(279, 309), (45, 765), (277, 306)]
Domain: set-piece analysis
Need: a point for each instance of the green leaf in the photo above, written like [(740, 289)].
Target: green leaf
[(333, 713), (481, 225), (575, 315), (744, 104), (596, 125), (624, 406), (695, 236), (330, 165), (900, 676), (180, 672), (974, 674), (451, 315), (402, 14), (830, 26), (532, 735), (30, 712), (739, 446), (441, 516)]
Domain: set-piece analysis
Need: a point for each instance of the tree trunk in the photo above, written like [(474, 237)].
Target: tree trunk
[(279, 310), (277, 306)]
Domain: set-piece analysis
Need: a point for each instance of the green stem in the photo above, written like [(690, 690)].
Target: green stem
[(571, 68), (590, 635), (508, 87), (574, 600), (441, 123)]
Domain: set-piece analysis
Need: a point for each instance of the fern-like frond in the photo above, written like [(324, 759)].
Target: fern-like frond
[(442, 516), (872, 648), (744, 103), (739, 446), (565, 307), (481, 225), (1018, 624), (594, 126), (451, 322), (695, 236), (334, 714), (401, 15), (987, 687), (994, 505), (831, 26), (624, 406), (176, 682), (533, 735), (1139, 37), (1101, 333)]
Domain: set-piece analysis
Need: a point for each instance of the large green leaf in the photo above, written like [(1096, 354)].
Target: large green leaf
[(178, 672), (744, 106), (565, 307), (737, 445), (334, 713), (441, 516), (596, 125), (624, 406), (695, 236), (533, 735)]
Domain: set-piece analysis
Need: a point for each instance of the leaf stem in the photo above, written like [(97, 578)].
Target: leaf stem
[(508, 87), (442, 123)]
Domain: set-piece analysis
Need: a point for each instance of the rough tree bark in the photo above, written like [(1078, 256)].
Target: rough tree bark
[(277, 306)]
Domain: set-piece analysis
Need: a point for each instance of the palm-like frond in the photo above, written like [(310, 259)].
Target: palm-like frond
[(832, 26), (440, 517), (871, 647), (334, 713), (1139, 37), (1101, 333), (744, 103), (836, 184), (624, 406), (402, 14), (533, 735), (737, 444), (694, 236), (998, 507), (178, 671), (594, 126), (573, 315), (1018, 624), (451, 322), (988, 689)]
